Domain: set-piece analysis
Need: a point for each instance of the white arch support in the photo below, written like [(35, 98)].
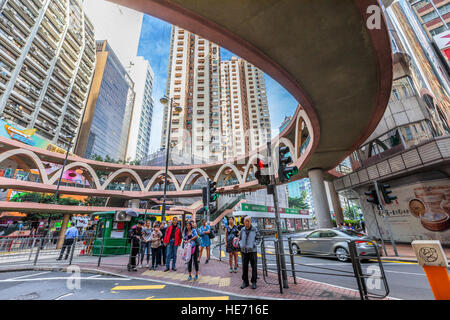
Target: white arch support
[(40, 166), (232, 167), (160, 173), (119, 172), (190, 173), (77, 164)]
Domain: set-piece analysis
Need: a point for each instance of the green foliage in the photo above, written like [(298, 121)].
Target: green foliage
[(95, 202), (352, 212), (299, 203), (49, 198)]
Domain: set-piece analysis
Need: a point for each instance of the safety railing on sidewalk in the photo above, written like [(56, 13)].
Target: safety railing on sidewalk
[(373, 278)]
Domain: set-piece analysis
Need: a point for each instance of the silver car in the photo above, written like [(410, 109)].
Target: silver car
[(333, 242)]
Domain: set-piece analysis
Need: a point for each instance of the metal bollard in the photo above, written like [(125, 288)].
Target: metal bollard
[(31, 250), (101, 252), (37, 254), (73, 249), (357, 270), (220, 245), (292, 259), (277, 256), (264, 258)]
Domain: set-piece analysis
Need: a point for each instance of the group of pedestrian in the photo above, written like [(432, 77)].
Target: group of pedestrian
[(147, 241), (163, 244)]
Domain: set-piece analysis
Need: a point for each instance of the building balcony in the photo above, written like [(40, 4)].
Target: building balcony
[(18, 98), (7, 58), (50, 117), (38, 3), (31, 76), (71, 42), (8, 42), (44, 127), (76, 35), (64, 68), (16, 20), (54, 81), (57, 71), (54, 94), (74, 111), (36, 67), (31, 6), (47, 37), (63, 54), (24, 12), (70, 51), (71, 119), (76, 101), (51, 29), (56, 19), (50, 104)]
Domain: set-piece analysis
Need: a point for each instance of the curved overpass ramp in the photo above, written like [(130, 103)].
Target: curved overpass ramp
[(321, 51)]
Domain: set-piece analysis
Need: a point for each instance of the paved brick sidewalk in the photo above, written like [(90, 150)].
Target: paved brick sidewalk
[(215, 275)]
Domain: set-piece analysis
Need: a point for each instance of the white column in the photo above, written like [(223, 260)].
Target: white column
[(319, 195), (339, 215)]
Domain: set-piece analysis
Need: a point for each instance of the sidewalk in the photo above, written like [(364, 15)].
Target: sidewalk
[(405, 253), (215, 276)]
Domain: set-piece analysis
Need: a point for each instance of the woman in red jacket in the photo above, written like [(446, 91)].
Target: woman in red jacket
[(172, 240)]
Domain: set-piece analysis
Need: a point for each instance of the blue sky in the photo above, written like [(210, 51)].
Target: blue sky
[(154, 45)]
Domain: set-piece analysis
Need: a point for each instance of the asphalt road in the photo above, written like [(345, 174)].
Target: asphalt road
[(405, 280), (48, 285)]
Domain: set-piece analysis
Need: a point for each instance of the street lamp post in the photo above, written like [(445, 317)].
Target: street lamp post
[(55, 198), (165, 100)]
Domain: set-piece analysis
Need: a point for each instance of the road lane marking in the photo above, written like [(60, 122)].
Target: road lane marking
[(63, 278), (63, 296), (394, 261), (193, 298), (29, 275), (142, 287)]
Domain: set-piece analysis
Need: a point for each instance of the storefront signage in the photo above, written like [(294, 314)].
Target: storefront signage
[(261, 208)]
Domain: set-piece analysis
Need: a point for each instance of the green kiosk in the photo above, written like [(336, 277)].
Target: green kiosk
[(111, 234)]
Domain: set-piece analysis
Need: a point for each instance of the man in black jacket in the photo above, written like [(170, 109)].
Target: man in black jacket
[(135, 235)]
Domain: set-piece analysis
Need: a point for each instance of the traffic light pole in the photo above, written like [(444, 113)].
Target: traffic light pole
[(207, 202), (386, 219), (277, 216)]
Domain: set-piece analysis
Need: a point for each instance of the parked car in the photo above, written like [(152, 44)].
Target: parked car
[(334, 242)]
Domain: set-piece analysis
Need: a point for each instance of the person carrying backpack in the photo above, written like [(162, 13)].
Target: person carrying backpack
[(231, 245)]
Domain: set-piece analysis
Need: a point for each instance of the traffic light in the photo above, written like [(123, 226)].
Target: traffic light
[(263, 179), (373, 197), (284, 172), (205, 196), (213, 196), (385, 192)]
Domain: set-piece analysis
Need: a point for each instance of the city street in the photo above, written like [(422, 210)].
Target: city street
[(406, 280), (48, 285)]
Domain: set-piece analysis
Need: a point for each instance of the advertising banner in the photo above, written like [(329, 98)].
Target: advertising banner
[(422, 212), (28, 137)]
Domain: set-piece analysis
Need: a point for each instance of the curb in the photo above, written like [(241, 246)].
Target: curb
[(108, 273)]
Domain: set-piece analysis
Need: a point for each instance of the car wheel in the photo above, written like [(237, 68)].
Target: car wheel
[(295, 249), (342, 254)]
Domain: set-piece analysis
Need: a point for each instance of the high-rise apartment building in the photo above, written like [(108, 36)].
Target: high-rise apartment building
[(47, 52), (142, 75), (244, 107), (193, 84), (106, 121)]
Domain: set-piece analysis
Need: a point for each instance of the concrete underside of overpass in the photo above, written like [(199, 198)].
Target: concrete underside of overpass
[(321, 51)]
